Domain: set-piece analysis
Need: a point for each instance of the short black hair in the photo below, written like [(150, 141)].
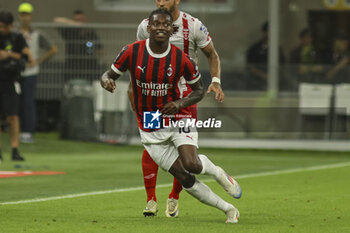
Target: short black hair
[(304, 32), (78, 12), (6, 17), (160, 11), (265, 26)]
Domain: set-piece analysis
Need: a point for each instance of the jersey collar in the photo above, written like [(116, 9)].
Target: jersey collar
[(178, 21), (157, 55)]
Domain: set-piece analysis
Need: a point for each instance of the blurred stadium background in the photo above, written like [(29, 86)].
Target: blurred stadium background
[(282, 108)]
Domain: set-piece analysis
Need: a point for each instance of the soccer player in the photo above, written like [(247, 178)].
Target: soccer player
[(156, 68), (190, 34)]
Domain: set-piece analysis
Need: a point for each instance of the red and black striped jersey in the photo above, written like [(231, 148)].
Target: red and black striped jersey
[(155, 78)]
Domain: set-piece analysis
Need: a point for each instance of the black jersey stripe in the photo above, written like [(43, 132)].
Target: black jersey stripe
[(143, 78), (177, 73), (166, 77), (192, 61), (187, 72), (155, 80), (135, 52), (120, 54)]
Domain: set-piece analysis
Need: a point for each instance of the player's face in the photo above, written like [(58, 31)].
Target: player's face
[(160, 27), (5, 29), (307, 39), (25, 18), (169, 5), (81, 18)]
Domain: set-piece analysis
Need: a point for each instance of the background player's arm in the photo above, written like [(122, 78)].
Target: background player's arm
[(107, 80), (215, 71), (64, 20), (194, 97), (337, 67)]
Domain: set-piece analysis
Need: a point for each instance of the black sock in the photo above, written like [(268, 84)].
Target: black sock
[(14, 150)]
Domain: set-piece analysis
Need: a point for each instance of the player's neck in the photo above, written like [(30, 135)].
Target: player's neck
[(25, 28), (158, 47), (176, 14)]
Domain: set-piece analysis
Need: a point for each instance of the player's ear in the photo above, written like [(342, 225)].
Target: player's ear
[(172, 29), (148, 28)]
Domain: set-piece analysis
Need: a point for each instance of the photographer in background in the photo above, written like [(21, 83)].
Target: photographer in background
[(13, 53)]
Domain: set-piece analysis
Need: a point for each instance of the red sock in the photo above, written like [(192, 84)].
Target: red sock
[(150, 170), (175, 192)]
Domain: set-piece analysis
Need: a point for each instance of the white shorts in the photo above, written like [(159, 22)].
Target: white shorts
[(162, 144)]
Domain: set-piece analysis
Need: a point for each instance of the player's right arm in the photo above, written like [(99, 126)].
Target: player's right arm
[(118, 68), (107, 80), (141, 34)]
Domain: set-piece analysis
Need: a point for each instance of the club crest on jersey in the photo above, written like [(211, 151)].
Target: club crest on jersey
[(186, 33), (169, 72)]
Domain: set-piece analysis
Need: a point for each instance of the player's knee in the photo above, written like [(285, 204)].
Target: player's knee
[(189, 159), (183, 176), (193, 165), (187, 180)]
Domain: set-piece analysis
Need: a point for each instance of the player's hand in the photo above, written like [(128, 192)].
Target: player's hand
[(3, 54), (216, 88), (171, 108), (108, 84)]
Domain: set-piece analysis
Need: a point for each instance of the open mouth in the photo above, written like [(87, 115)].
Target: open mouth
[(161, 33)]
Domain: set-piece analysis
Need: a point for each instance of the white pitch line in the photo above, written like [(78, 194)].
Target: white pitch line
[(260, 174)]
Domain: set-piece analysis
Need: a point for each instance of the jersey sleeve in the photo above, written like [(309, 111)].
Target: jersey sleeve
[(142, 33), (201, 34), (191, 71), (44, 42), (121, 63)]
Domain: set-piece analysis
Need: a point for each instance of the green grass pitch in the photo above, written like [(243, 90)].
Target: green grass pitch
[(304, 201)]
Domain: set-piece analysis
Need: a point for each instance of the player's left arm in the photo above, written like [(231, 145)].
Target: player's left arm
[(194, 97), (194, 80), (215, 71)]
